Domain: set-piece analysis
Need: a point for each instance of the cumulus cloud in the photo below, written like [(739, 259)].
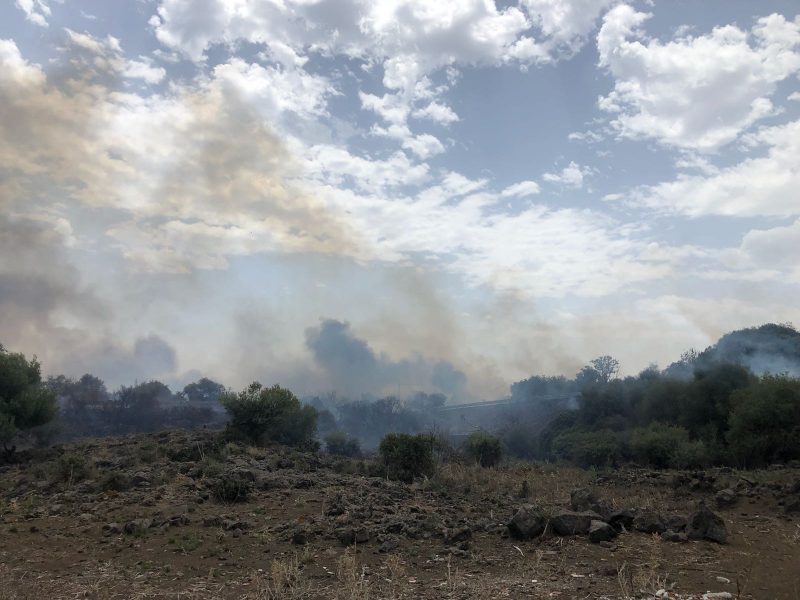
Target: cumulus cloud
[(570, 176), (521, 190), (695, 93), (36, 11), (756, 186)]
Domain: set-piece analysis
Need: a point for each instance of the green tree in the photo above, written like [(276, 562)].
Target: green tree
[(765, 421), (24, 402), (260, 415)]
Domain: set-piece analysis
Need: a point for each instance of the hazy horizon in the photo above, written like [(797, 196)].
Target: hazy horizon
[(393, 195)]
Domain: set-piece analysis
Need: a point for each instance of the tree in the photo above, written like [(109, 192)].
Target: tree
[(765, 421), (607, 367), (24, 402), (407, 456), (261, 415), (204, 390)]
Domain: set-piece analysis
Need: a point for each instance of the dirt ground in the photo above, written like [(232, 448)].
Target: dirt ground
[(154, 516)]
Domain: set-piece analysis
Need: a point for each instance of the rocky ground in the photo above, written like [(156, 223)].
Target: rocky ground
[(178, 515)]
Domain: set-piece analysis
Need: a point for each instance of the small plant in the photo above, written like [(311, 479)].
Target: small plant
[(341, 444), (406, 456), (71, 468), (231, 487), (484, 448)]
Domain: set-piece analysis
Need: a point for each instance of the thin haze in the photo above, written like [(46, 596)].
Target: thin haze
[(385, 196)]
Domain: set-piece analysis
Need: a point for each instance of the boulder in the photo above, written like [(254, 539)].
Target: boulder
[(137, 526), (600, 531), (674, 536), (676, 523), (725, 498), (791, 505), (460, 534), (568, 522), (705, 524), (348, 536), (528, 522), (622, 519), (649, 521)]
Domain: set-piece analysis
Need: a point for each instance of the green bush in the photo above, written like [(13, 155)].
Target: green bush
[(260, 415), (24, 403), (483, 448), (71, 467), (341, 444), (231, 487), (406, 456), (588, 448), (764, 425), (658, 445)]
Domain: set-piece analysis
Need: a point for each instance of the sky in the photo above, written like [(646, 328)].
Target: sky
[(379, 197)]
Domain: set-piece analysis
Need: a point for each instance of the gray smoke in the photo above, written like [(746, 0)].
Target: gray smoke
[(354, 368)]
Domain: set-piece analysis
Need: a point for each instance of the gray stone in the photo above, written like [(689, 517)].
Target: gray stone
[(725, 498), (674, 536), (572, 523), (528, 522), (649, 522), (600, 531), (676, 523), (622, 519), (705, 524)]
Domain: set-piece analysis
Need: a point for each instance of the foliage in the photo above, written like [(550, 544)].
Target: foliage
[(483, 448), (589, 448), (24, 402), (341, 444), (406, 457), (260, 415), (765, 421), (231, 487), (663, 446), (204, 390)]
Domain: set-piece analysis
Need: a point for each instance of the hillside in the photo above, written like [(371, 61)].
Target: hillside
[(176, 515)]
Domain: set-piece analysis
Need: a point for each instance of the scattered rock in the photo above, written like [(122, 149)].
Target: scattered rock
[(725, 498), (674, 536), (676, 523), (389, 544), (649, 522), (300, 536), (137, 526), (622, 519), (600, 531), (792, 505), (112, 529), (572, 523), (140, 479), (528, 522), (706, 524), (455, 536), (348, 536)]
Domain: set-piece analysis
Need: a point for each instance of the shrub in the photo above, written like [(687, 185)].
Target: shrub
[(341, 444), (260, 415), (588, 448), (231, 487), (24, 403), (764, 425), (658, 445), (483, 448), (71, 467), (521, 442), (406, 456)]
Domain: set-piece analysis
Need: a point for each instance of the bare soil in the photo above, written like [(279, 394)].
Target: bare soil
[(138, 517)]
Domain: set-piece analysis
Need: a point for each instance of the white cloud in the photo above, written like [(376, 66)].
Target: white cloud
[(521, 190), (564, 24), (570, 176), (760, 186), (36, 11), (794, 96), (143, 69), (108, 56), (437, 112), (694, 92)]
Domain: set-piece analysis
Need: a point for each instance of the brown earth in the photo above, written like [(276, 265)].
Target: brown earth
[(139, 517)]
